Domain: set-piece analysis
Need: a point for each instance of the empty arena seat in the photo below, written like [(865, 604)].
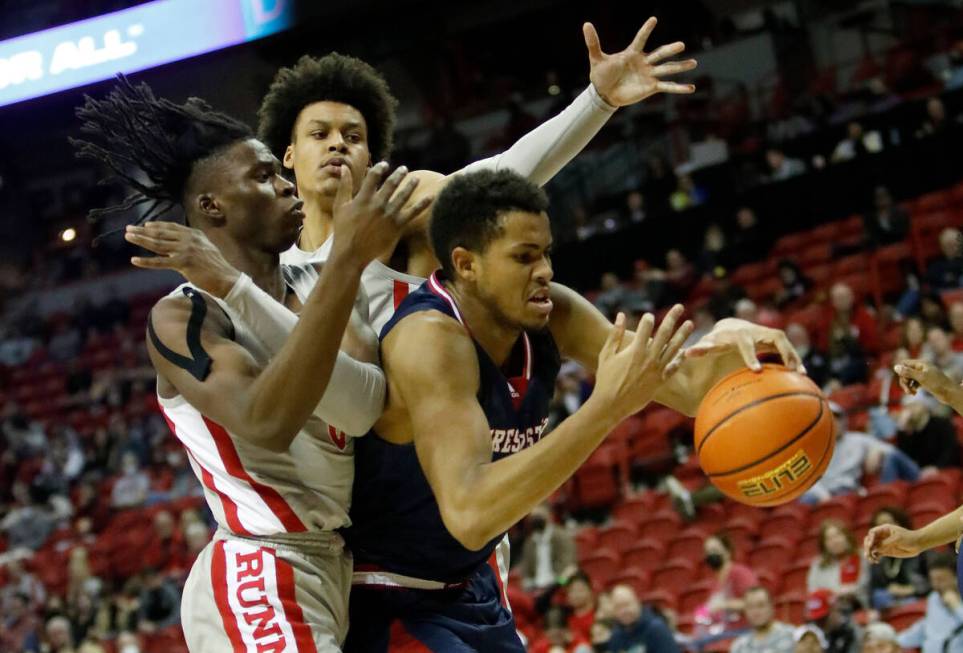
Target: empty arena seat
[(644, 554), (789, 525), (794, 576), (632, 509), (839, 508), (773, 553), (619, 536), (791, 608), (890, 494), (601, 566), (688, 544), (850, 397), (693, 596), (675, 575), (902, 617), (637, 578), (661, 526)]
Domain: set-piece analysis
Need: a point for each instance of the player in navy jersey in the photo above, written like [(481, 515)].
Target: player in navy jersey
[(460, 453)]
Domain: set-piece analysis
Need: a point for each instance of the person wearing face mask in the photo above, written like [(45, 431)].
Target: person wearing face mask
[(731, 580), (547, 553)]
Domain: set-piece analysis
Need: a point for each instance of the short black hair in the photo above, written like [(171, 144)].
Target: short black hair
[(467, 210), (941, 560), (334, 78), (151, 144)]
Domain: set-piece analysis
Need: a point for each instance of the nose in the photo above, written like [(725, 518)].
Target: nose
[(284, 187), (336, 142), (543, 271)]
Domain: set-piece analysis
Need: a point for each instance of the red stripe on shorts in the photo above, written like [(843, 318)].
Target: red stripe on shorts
[(401, 641), (219, 583), (289, 603), (232, 463), (493, 563)]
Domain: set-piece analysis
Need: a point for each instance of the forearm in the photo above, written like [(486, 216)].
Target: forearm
[(355, 394), (540, 154), (532, 474), (286, 392), (941, 531), (696, 376)]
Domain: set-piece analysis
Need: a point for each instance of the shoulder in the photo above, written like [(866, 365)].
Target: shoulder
[(429, 340), (172, 314)]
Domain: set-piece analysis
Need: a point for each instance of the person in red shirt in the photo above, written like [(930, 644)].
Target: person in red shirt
[(167, 550), (559, 637), (848, 335), (731, 581), (581, 600)]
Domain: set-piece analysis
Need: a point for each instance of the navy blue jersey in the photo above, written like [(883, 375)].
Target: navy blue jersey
[(396, 524)]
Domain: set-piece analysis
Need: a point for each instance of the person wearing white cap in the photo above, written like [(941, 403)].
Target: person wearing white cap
[(880, 638), (810, 639)]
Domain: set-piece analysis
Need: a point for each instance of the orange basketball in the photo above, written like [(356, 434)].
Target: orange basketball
[(763, 438)]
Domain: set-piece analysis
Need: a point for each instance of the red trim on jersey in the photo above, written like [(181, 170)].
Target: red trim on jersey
[(219, 583), (439, 289), (402, 641), (207, 479), (493, 563), (400, 290), (289, 602), (232, 463)]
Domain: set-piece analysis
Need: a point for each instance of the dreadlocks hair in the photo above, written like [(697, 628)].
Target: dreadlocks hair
[(334, 78), (133, 131)]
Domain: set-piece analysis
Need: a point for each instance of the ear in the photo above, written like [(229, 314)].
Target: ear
[(288, 160), (208, 206), (465, 263)]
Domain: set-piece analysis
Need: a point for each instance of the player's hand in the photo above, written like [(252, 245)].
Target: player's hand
[(749, 340), (185, 250), (630, 76), (890, 541), (632, 367), (370, 223), (915, 374)]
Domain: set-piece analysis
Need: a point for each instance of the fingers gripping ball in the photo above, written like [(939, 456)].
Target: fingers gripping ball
[(763, 438)]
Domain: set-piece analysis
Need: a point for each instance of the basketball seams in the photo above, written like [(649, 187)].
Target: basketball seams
[(785, 446), (752, 404)]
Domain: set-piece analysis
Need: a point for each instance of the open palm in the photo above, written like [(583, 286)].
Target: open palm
[(630, 76)]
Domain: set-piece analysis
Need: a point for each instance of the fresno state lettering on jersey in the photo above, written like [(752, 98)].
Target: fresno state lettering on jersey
[(512, 440), (255, 604)]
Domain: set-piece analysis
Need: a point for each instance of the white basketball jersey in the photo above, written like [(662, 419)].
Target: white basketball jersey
[(385, 288), (256, 492)]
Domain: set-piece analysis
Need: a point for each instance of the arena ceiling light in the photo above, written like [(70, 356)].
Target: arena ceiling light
[(133, 39)]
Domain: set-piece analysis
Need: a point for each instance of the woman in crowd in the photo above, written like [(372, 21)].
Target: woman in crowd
[(839, 567)]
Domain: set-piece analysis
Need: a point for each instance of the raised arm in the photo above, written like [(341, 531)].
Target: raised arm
[(580, 331), (453, 439)]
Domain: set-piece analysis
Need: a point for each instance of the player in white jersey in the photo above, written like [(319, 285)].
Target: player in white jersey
[(335, 110), (264, 436)]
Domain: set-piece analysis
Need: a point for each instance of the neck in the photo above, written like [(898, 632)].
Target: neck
[(724, 569), (764, 629), (264, 268), (318, 220), (495, 338)]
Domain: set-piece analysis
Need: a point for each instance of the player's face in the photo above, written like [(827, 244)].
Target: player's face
[(326, 135), (259, 204), (515, 269)]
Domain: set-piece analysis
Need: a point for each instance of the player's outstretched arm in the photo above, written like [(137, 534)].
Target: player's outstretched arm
[(431, 363), (580, 330), (893, 541), (271, 406), (918, 374)]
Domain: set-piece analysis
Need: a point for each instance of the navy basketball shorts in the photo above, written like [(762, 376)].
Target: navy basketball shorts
[(469, 619)]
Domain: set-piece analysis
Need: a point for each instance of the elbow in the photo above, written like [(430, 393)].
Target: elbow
[(466, 526)]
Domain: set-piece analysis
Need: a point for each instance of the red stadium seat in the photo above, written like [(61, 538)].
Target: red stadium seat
[(791, 608), (633, 509), (850, 227), (903, 616), (821, 275), (675, 575), (790, 244), (825, 233), (807, 547), (771, 580), (644, 554), (851, 264), (850, 397), (661, 526), (618, 537), (635, 577), (923, 514), (586, 541), (936, 490), (688, 545), (596, 482), (788, 525), (746, 274), (891, 494), (794, 576), (839, 508), (816, 254), (772, 554), (659, 598), (694, 596), (601, 566), (930, 202)]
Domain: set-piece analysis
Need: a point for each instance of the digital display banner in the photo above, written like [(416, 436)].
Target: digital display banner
[(133, 39)]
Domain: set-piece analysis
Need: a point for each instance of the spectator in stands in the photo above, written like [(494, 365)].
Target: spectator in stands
[(166, 550), (750, 241), (848, 335), (839, 567), (936, 121), (128, 642), (940, 353), (559, 638), (927, 438), (955, 314), (83, 615), (886, 223), (634, 208), (28, 521), (725, 295), (809, 639), (131, 488), (58, 636), (637, 627), (782, 167), (913, 337), (659, 184), (16, 348), (612, 294), (548, 551), (767, 634), (832, 616), (581, 601), (20, 631), (795, 284), (687, 194), (160, 602), (946, 271), (857, 454), (80, 578), (857, 143), (715, 253), (196, 537), (880, 637), (23, 436), (676, 280), (815, 361), (21, 582), (730, 582), (895, 581), (940, 630)]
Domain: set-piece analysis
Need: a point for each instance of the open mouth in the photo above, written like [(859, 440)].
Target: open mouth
[(541, 301)]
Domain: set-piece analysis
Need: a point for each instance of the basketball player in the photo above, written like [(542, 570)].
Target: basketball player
[(276, 477), (323, 113), (458, 456), (894, 541)]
